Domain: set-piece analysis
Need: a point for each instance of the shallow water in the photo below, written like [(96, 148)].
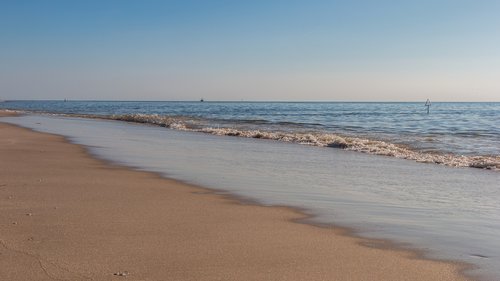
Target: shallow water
[(452, 213), (453, 134)]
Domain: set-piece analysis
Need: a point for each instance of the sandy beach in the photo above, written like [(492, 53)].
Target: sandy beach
[(68, 216)]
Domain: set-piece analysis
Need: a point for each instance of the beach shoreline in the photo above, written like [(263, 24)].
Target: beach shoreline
[(374, 145), (67, 215)]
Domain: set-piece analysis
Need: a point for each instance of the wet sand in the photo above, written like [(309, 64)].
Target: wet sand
[(67, 216)]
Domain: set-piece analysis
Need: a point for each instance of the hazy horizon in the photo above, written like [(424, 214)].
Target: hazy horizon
[(252, 51)]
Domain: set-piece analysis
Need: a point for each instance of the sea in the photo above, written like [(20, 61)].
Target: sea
[(427, 181)]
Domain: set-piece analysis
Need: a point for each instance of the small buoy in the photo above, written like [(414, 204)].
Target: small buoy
[(428, 105)]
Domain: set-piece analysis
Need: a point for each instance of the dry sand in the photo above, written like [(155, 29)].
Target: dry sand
[(67, 216)]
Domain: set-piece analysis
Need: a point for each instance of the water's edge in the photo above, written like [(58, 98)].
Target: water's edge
[(330, 140)]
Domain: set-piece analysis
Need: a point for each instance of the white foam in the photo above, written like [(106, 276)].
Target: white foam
[(365, 145)]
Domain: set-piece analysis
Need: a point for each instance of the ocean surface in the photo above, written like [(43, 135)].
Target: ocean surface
[(448, 212), (453, 134)]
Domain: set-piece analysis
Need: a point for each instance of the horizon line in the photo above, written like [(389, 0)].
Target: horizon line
[(249, 101)]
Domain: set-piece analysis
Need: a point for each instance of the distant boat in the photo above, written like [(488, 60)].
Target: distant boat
[(202, 100)]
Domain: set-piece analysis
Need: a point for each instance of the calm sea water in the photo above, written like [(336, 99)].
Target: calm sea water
[(450, 213), (454, 134)]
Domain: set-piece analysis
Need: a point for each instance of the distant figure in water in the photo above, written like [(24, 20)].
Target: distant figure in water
[(202, 100), (428, 104)]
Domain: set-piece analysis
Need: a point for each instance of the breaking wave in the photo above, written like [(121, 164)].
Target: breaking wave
[(321, 139), (370, 146), (178, 123)]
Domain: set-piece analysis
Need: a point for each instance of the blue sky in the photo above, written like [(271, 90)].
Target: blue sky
[(250, 50)]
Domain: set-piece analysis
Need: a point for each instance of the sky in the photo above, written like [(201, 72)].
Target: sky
[(445, 50)]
